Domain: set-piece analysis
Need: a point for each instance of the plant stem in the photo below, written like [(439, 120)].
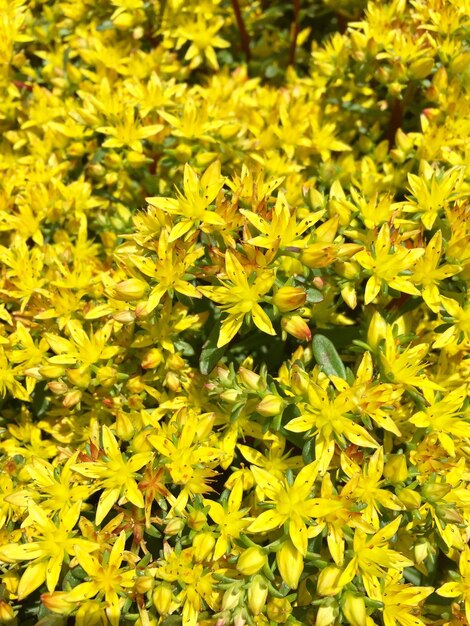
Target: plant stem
[(244, 36), (295, 33)]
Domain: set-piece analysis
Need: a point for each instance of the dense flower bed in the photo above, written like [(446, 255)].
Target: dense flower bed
[(234, 320)]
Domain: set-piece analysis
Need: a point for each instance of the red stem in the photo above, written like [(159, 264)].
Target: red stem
[(295, 34), (244, 36)]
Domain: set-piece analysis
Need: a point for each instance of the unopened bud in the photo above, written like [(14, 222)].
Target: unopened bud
[(289, 298), (328, 581), (203, 544), (162, 597), (395, 468), (124, 427), (106, 376), (152, 359), (79, 377), (72, 398), (57, 387), (56, 602), (278, 610), (290, 564), (174, 526), (270, 405), (326, 616), (52, 371), (411, 499), (143, 584), (7, 614), (297, 327), (232, 598), (433, 492), (250, 379), (251, 561), (354, 609), (132, 289), (376, 331), (196, 520), (257, 594)]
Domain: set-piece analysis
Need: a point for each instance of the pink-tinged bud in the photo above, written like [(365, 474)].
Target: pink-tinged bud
[(395, 469), (297, 327), (449, 514), (57, 387), (250, 379), (257, 594), (124, 317), (270, 405), (251, 561), (162, 598), (132, 289), (354, 609), (318, 282), (327, 584), (289, 298), (151, 359), (278, 610), (72, 398), (56, 602), (142, 309), (203, 545)]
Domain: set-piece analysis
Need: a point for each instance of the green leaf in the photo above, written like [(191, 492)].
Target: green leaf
[(211, 354), (327, 358)]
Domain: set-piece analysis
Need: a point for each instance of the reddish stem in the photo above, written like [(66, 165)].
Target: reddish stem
[(295, 34), (244, 36)]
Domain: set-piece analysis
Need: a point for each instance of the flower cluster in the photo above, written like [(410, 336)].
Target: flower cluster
[(234, 313)]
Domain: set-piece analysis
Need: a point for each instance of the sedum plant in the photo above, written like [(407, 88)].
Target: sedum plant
[(234, 315)]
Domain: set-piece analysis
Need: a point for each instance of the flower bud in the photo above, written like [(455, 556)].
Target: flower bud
[(250, 379), (290, 564), (449, 514), (297, 327), (90, 614), (143, 584), (232, 597), (52, 371), (327, 584), (433, 492), (411, 499), (151, 359), (354, 609), (395, 468), (72, 398), (257, 594), (124, 427), (270, 405), (132, 289), (203, 544), (376, 331), (106, 376), (8, 614), (161, 598), (57, 387), (289, 298), (278, 610), (174, 526), (229, 396), (251, 561), (326, 616), (79, 377), (196, 520)]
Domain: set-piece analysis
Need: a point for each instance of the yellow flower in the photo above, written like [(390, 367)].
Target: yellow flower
[(115, 474), (460, 589), (290, 503), (192, 205), (107, 579), (241, 297), (51, 543), (387, 264)]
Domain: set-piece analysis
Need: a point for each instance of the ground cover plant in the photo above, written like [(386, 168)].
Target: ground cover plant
[(234, 319)]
